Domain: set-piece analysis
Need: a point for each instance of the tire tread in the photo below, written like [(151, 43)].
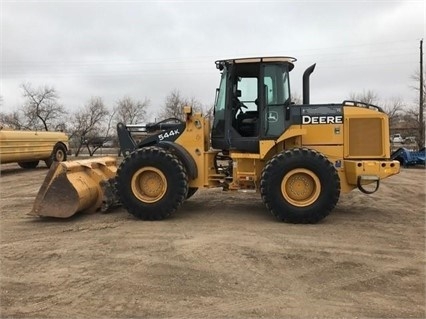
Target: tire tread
[(292, 214), (165, 206)]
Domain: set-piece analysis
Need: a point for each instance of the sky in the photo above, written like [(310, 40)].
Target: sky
[(147, 49)]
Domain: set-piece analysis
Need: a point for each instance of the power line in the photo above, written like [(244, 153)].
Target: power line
[(201, 59)]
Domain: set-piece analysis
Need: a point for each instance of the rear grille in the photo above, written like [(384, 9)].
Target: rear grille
[(365, 137)]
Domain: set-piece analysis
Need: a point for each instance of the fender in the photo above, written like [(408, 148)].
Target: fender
[(266, 146), (166, 135), (169, 133), (183, 155)]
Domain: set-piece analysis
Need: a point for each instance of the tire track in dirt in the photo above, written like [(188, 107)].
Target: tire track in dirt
[(220, 255)]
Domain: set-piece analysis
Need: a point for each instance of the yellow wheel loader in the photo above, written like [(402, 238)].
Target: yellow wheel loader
[(299, 158)]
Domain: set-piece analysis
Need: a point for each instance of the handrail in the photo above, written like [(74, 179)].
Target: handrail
[(363, 104)]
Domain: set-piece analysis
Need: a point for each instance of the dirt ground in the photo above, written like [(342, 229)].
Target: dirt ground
[(221, 255)]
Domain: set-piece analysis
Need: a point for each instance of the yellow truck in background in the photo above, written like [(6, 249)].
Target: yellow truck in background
[(28, 148)]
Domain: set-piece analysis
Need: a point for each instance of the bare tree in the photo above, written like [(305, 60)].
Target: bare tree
[(416, 78), (174, 103), (129, 111), (12, 120), (209, 113), (88, 123), (394, 109), (173, 106), (100, 136), (369, 97), (296, 98), (411, 117), (42, 105), (195, 104)]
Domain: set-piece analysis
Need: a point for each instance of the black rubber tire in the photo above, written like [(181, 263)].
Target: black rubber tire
[(59, 154), (164, 162), (191, 192), (317, 165), (28, 165)]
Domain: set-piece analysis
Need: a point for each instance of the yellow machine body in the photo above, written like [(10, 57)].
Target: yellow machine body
[(349, 146), (298, 157), (27, 146), (74, 186)]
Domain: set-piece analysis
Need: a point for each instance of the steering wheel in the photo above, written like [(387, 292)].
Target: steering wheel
[(238, 105)]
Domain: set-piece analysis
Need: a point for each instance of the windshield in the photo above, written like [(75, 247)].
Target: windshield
[(218, 128)]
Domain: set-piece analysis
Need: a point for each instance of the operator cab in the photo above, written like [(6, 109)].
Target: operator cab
[(252, 102)]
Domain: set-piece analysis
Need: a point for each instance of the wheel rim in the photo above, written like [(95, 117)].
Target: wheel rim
[(149, 184), (60, 155), (301, 187)]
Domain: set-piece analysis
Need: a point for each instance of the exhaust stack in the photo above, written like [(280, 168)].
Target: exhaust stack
[(306, 91)]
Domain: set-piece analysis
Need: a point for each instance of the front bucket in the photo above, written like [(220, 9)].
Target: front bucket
[(74, 186)]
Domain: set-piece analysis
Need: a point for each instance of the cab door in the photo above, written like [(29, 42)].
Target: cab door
[(277, 100)]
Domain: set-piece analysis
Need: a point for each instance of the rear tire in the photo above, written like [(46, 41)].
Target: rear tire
[(300, 186), (28, 165), (152, 183), (59, 154)]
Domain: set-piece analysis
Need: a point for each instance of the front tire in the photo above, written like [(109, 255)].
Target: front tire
[(152, 183), (300, 186), (59, 154)]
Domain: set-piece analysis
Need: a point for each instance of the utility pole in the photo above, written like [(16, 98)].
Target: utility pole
[(421, 125)]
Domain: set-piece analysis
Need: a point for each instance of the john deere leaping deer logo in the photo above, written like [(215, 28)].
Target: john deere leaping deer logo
[(272, 117)]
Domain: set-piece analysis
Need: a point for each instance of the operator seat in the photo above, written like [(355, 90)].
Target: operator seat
[(247, 123)]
